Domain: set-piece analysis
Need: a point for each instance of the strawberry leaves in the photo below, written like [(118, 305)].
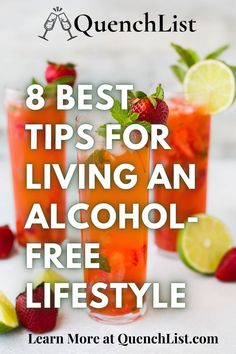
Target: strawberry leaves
[(68, 65), (138, 95), (188, 57), (159, 93)]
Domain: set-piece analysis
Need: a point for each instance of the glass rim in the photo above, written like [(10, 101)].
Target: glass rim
[(11, 90), (20, 96)]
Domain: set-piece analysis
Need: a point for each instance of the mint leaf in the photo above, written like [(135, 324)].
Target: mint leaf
[(123, 116), (64, 80), (35, 81), (50, 90), (146, 125), (70, 65), (188, 56), (179, 72), (217, 52), (102, 130), (134, 116), (119, 114), (194, 55), (233, 68), (103, 263), (97, 158)]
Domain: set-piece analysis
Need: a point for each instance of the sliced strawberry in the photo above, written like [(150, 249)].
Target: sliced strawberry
[(226, 270), (6, 241), (36, 320), (56, 71)]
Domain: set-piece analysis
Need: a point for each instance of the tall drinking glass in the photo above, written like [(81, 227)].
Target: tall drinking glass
[(122, 252), (189, 133), (19, 142)]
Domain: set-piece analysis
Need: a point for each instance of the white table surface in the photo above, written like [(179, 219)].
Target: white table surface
[(211, 305)]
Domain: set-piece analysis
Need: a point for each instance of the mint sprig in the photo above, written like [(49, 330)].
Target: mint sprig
[(124, 117), (103, 263), (50, 90), (188, 57)]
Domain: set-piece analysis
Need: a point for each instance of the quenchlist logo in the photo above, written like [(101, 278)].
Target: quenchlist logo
[(51, 20), (146, 22)]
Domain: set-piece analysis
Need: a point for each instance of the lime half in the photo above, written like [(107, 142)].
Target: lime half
[(202, 245), (8, 317), (210, 83), (49, 276)]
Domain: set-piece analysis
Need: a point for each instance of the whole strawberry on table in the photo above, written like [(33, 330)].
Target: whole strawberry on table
[(36, 320), (7, 238)]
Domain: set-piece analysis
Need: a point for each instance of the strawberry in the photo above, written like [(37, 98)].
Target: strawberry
[(6, 241), (150, 108), (56, 71), (36, 320), (226, 270)]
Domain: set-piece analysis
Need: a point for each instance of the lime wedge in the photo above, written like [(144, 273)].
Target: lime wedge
[(210, 83), (201, 246), (49, 276), (8, 317)]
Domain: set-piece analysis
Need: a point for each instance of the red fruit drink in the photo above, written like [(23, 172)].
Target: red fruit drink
[(123, 252), (19, 141), (189, 133)]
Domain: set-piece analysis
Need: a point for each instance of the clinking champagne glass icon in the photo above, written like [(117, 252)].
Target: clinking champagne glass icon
[(65, 24), (49, 24)]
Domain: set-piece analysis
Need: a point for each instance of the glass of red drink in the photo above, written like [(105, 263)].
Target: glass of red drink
[(123, 252), (19, 142), (189, 134)]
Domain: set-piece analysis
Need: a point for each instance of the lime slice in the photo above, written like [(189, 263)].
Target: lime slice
[(49, 276), (8, 317), (210, 83), (201, 246)]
